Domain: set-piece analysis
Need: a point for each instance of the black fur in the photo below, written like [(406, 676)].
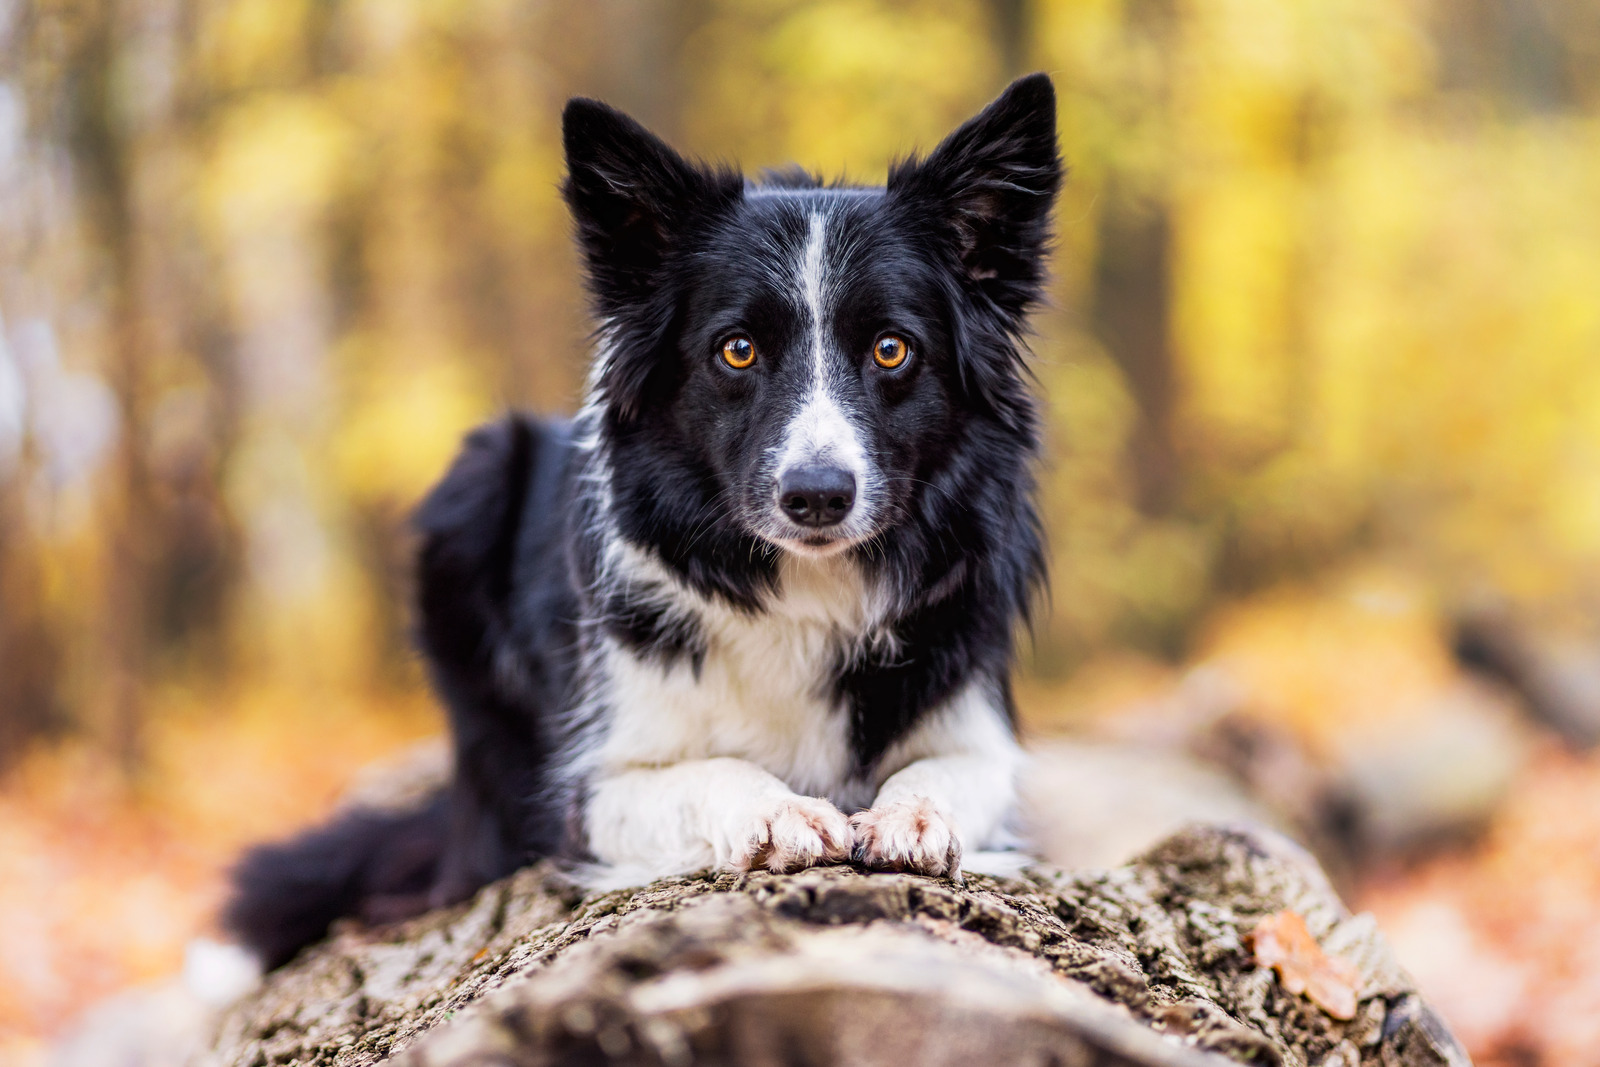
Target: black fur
[(669, 456), (375, 865)]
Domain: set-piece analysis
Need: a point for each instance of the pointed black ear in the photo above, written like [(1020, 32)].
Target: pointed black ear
[(989, 187), (634, 200)]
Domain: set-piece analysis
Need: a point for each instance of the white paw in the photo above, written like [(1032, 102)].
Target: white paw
[(794, 832), (907, 835)]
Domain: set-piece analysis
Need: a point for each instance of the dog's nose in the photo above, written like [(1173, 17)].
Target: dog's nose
[(817, 496)]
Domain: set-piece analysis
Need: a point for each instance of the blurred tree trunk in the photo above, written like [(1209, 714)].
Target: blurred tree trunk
[(1132, 315), (30, 657), (1011, 25), (199, 567), (168, 560), (103, 160), (1521, 52), (1131, 308), (638, 65)]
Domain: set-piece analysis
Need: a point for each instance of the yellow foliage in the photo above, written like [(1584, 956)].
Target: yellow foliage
[(276, 157), (251, 42), (402, 428), (841, 87)]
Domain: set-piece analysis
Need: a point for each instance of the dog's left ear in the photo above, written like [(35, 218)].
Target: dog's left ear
[(989, 188)]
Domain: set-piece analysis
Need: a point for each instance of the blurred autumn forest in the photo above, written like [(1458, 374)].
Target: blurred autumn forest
[(1323, 366)]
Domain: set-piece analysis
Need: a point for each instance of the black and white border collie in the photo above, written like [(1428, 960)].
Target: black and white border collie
[(755, 606)]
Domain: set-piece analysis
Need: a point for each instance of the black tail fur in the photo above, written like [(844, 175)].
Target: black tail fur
[(379, 865)]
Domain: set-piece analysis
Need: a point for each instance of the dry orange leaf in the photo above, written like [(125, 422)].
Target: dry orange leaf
[(1283, 943)]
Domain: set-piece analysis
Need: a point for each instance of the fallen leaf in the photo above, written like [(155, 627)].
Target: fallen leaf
[(1283, 943)]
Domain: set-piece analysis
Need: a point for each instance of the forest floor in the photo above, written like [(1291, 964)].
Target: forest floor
[(103, 884)]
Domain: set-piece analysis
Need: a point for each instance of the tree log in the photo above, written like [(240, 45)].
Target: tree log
[(1148, 964)]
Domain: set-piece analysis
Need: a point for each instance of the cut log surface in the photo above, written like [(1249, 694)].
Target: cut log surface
[(1148, 964)]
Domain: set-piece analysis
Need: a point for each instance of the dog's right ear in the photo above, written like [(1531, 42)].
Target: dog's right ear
[(632, 197), (634, 200)]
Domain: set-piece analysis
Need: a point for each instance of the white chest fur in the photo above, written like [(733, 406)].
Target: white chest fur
[(763, 691)]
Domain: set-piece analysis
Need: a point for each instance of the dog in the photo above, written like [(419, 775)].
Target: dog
[(756, 604)]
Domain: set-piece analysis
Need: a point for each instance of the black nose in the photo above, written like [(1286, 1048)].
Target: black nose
[(816, 496)]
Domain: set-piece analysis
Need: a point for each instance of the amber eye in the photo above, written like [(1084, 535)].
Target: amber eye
[(890, 352), (738, 352)]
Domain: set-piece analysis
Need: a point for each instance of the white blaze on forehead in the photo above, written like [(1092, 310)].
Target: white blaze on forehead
[(821, 431), (811, 285)]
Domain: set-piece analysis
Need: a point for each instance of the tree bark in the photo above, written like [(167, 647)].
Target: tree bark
[(1148, 964)]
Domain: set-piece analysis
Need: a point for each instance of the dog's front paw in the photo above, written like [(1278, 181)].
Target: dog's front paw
[(791, 833), (907, 835)]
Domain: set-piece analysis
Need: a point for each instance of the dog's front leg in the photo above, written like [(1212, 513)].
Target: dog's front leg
[(725, 813), (955, 788)]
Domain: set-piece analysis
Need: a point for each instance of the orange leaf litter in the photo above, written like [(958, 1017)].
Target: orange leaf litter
[(1283, 943)]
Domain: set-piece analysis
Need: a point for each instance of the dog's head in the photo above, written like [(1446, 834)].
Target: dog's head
[(793, 364)]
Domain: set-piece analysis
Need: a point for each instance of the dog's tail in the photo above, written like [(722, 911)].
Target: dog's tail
[(375, 864)]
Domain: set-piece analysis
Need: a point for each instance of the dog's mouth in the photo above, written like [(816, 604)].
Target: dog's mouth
[(811, 542)]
